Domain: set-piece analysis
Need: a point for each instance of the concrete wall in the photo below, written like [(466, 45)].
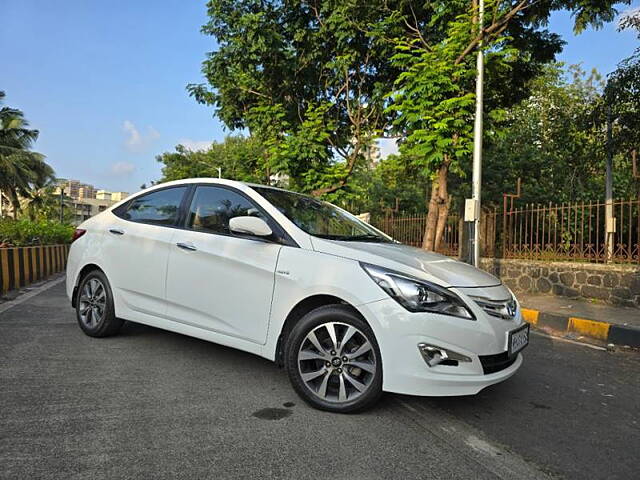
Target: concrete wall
[(614, 284)]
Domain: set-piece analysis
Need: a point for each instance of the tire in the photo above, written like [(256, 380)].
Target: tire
[(94, 306), (328, 373)]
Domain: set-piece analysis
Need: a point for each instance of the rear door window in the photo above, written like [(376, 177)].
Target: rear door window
[(161, 207)]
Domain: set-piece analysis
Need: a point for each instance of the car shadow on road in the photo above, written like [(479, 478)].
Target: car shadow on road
[(227, 359)]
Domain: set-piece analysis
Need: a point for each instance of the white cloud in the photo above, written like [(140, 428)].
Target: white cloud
[(122, 169), (136, 141), (387, 146), (195, 145), (630, 12)]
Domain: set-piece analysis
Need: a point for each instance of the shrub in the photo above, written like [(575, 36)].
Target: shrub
[(25, 232)]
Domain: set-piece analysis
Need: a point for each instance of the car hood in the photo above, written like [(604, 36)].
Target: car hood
[(411, 261)]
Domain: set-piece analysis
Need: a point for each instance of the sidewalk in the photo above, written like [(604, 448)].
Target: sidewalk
[(617, 325)]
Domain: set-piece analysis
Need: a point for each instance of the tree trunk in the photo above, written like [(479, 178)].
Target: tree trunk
[(432, 218), (443, 214), (438, 209)]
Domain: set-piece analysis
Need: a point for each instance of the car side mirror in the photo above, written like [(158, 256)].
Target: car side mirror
[(250, 226)]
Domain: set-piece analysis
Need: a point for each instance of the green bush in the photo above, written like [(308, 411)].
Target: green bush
[(25, 232)]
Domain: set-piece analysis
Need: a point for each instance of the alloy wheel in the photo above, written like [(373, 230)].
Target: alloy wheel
[(92, 303), (337, 362)]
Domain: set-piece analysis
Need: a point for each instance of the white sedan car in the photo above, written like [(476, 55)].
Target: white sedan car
[(344, 308)]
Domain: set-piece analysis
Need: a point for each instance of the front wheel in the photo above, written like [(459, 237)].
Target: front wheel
[(94, 306), (333, 360)]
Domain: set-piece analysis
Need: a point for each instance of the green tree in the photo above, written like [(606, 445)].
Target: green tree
[(434, 95), (304, 78), (311, 79), (552, 140), (621, 103), (44, 203), (394, 184), (239, 158), (21, 169)]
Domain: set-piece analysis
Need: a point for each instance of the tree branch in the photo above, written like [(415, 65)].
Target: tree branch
[(495, 26)]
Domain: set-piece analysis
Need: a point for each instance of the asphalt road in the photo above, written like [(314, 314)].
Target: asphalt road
[(153, 404)]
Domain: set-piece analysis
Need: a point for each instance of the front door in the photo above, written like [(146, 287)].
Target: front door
[(216, 280)]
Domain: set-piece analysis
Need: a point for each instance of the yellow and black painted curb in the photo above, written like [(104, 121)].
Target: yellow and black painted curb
[(599, 330), (21, 266)]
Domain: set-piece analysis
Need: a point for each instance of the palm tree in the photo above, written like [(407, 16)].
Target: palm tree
[(45, 202), (21, 170)]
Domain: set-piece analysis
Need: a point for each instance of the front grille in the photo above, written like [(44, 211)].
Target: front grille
[(497, 362), (504, 309)]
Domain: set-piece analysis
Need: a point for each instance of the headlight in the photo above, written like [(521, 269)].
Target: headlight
[(418, 295)]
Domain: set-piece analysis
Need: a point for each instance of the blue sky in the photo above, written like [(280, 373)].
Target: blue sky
[(104, 82)]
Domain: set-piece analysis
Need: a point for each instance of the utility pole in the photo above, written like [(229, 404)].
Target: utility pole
[(219, 172), (61, 204), (610, 221), (472, 212)]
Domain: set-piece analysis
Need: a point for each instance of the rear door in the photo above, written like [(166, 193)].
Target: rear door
[(216, 280), (136, 246)]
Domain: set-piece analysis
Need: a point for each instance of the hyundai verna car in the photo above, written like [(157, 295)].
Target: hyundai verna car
[(348, 311)]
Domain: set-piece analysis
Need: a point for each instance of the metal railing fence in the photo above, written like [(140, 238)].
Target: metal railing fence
[(555, 232)]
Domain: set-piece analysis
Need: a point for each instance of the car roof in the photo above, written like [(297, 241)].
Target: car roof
[(214, 181)]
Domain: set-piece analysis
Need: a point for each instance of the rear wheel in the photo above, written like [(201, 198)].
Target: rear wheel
[(94, 306), (333, 360)]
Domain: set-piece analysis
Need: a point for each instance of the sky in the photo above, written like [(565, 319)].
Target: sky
[(104, 82)]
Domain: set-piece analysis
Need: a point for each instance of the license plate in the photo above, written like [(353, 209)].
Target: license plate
[(518, 339)]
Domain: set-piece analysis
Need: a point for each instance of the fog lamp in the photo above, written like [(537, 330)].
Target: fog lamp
[(434, 355)]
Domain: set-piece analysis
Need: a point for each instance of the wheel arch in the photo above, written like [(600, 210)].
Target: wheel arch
[(84, 271), (303, 307)]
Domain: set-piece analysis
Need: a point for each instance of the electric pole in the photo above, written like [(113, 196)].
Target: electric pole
[(474, 214), (61, 204), (610, 221)]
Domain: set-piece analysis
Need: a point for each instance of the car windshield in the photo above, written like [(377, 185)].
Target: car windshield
[(321, 219)]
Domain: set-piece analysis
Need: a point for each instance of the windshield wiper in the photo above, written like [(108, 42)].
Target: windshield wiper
[(367, 237)]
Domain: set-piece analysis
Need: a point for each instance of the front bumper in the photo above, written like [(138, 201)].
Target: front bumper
[(399, 332)]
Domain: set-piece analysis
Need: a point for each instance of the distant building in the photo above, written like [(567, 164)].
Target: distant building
[(75, 189), (279, 180), (372, 154), (113, 196), (88, 201), (119, 196), (86, 191), (103, 195), (85, 208)]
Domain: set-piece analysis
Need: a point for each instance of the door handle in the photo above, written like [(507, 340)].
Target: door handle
[(186, 246), (116, 231)]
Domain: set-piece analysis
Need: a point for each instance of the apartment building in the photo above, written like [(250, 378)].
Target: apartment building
[(88, 201)]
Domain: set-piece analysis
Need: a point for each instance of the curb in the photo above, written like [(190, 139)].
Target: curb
[(603, 331)]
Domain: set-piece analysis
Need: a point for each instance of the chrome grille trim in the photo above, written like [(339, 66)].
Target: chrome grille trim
[(503, 309)]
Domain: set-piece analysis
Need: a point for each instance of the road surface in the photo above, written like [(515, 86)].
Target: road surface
[(154, 404)]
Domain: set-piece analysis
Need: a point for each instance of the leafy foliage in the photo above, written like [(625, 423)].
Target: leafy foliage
[(303, 78), (316, 82), (622, 95), (26, 232), (551, 140), (239, 158), (44, 203)]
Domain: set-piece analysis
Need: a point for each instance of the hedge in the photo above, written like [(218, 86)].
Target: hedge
[(25, 232)]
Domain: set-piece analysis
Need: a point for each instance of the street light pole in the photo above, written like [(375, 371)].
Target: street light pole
[(477, 143), (608, 208), (61, 205)]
